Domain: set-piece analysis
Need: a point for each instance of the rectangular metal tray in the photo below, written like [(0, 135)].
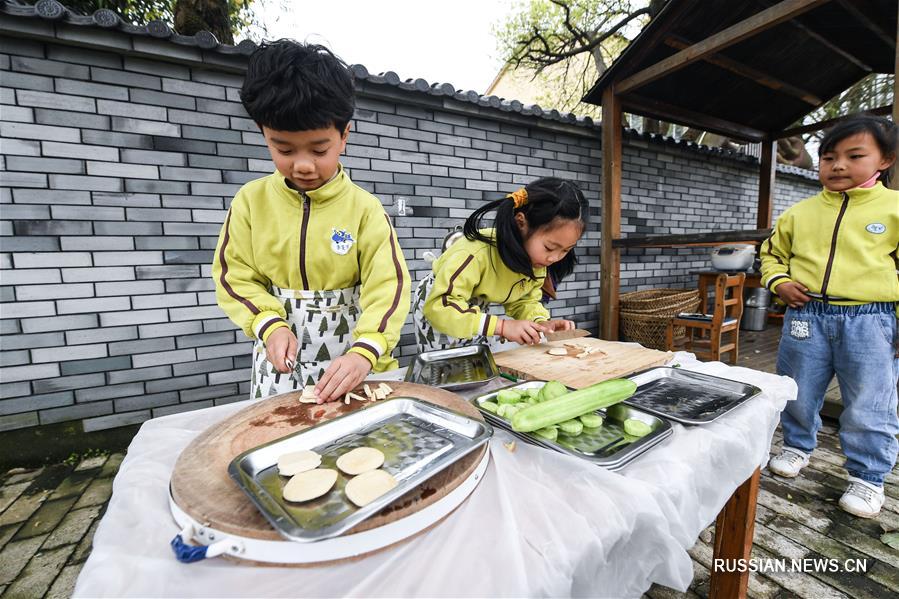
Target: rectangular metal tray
[(453, 369), (418, 440), (688, 397), (605, 446)]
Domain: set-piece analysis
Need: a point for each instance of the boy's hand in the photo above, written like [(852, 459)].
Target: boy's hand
[(342, 376), (280, 347), (521, 331), (551, 326), (793, 294)]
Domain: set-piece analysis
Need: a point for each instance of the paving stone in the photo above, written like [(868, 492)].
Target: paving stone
[(22, 508), (97, 493), (83, 550), (91, 463), (18, 475), (15, 556), (39, 574), (74, 485), (64, 585), (73, 527), (111, 467), (9, 493), (45, 518), (6, 533)]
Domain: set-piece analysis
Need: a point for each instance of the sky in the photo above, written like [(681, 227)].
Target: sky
[(441, 41)]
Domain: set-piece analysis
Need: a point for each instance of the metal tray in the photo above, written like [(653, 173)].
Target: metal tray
[(688, 397), (457, 368), (418, 439), (606, 446)]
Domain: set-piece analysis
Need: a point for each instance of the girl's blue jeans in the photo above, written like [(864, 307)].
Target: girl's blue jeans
[(858, 344)]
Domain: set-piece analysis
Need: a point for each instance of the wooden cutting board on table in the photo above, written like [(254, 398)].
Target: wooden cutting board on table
[(609, 360), (200, 484)]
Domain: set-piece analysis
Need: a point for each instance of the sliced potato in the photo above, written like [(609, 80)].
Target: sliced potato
[(367, 487), (298, 461), (308, 395), (309, 485), (359, 460), (557, 351)]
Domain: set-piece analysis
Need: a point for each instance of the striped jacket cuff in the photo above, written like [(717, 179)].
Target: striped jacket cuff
[(368, 349), (487, 325), (267, 325), (775, 281)]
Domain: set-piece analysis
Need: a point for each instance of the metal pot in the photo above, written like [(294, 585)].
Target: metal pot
[(733, 257), (455, 235)]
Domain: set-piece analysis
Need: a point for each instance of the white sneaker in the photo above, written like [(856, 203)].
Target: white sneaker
[(862, 499), (788, 462)]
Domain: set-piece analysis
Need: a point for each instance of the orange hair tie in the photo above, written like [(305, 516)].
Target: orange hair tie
[(519, 197)]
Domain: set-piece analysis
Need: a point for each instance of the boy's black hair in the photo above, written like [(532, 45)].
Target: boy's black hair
[(291, 86), (884, 131), (549, 199)]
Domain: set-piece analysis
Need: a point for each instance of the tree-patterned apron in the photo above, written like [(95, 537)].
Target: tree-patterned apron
[(323, 322), (428, 338)]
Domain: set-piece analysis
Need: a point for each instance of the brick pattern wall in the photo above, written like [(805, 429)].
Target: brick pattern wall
[(117, 172)]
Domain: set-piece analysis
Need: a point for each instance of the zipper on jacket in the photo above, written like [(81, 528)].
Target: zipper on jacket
[(303, 227), (833, 246)]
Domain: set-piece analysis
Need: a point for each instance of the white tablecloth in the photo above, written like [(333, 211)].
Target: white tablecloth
[(539, 524)]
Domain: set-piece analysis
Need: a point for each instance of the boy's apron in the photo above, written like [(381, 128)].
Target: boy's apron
[(323, 322), (427, 338)]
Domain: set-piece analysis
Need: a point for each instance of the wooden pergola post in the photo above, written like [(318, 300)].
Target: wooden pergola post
[(767, 170), (610, 258)]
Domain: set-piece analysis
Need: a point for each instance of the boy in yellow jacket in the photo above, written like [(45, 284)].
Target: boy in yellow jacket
[(832, 258), (307, 263)]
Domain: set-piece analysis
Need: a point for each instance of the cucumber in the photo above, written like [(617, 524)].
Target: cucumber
[(591, 420), (574, 404), (508, 396), (550, 432), (636, 428), (552, 390), (572, 427), (489, 406), (533, 393)]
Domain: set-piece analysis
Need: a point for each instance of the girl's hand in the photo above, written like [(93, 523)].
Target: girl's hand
[(793, 294), (280, 347), (551, 326), (520, 331), (342, 376)]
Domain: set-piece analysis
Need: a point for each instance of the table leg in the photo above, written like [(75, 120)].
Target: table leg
[(733, 541)]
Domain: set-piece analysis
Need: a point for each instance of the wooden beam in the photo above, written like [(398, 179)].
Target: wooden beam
[(734, 530), (784, 11), (826, 124), (767, 170), (894, 170), (749, 72), (661, 110), (865, 20), (693, 239), (610, 257), (823, 41)]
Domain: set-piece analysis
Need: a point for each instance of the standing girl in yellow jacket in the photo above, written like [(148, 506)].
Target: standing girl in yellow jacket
[(832, 258), (535, 231)]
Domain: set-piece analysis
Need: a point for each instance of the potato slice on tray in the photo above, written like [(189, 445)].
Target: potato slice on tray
[(360, 460), (298, 461), (367, 487), (309, 485)]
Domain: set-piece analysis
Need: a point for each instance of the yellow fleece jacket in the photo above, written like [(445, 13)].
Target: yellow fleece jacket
[(275, 235), (841, 245), (474, 269)]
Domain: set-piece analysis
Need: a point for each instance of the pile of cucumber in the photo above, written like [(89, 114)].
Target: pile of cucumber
[(553, 408)]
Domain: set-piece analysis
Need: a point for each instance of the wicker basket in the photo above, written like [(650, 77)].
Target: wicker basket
[(646, 317), (656, 301)]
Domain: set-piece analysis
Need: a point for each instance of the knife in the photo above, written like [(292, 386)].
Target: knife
[(563, 335)]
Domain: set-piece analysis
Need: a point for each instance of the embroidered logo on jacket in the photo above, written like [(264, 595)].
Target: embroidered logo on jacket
[(876, 228), (341, 241)]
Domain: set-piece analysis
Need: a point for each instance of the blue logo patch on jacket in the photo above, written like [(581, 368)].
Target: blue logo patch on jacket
[(341, 241), (876, 228)]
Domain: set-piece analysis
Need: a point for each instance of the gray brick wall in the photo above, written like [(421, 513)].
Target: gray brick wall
[(117, 172)]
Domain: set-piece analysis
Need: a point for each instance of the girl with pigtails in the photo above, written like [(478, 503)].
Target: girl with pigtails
[(530, 246)]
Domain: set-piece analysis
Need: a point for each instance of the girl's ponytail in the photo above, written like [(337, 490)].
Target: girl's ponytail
[(541, 201)]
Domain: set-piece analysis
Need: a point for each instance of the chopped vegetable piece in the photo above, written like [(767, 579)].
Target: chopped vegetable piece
[(550, 432), (637, 428), (508, 396), (511, 446), (552, 390), (533, 393), (591, 420), (489, 406), (572, 427)]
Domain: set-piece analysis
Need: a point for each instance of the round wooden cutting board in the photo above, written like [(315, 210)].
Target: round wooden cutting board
[(202, 488)]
